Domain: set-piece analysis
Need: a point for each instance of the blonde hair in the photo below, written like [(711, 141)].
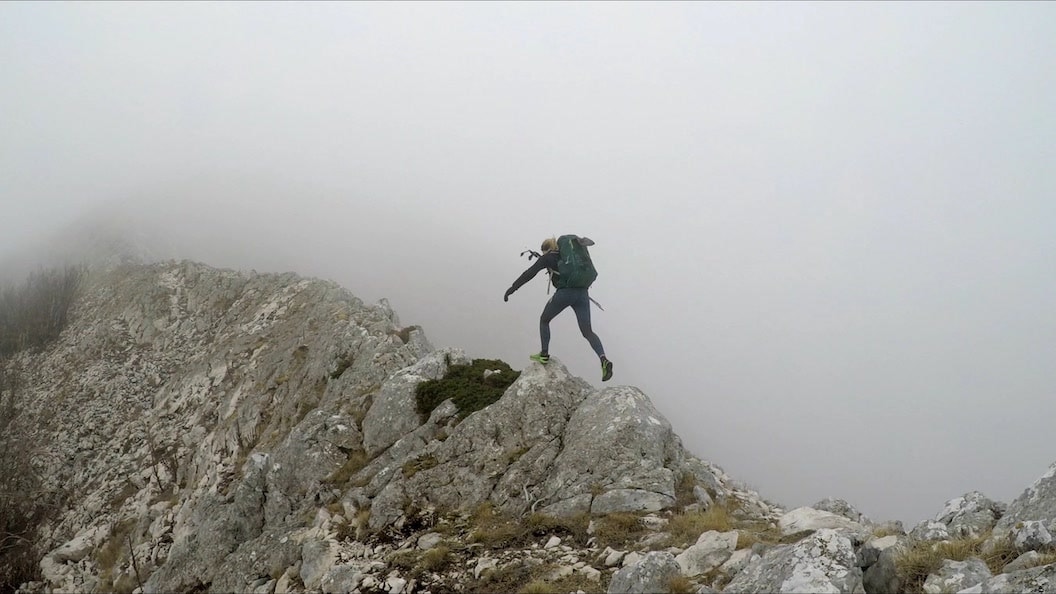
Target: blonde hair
[(549, 245)]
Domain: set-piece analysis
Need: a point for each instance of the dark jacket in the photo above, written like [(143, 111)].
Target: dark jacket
[(547, 260)]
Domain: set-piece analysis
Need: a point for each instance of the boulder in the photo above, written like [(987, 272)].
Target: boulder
[(551, 444), (651, 574), (823, 562), (1037, 502), (1024, 561), (1036, 579), (711, 550), (841, 508), (955, 576), (930, 530), (870, 551), (881, 576), (737, 561), (970, 515), (807, 518), (393, 412), (1031, 535)]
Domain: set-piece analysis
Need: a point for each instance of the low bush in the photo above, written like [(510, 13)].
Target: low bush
[(34, 313), (467, 386), (25, 503)]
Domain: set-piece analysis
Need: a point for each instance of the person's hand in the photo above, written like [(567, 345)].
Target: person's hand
[(506, 297)]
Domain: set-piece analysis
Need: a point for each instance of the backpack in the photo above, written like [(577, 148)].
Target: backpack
[(574, 268)]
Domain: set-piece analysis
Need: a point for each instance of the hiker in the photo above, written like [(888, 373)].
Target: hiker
[(568, 263)]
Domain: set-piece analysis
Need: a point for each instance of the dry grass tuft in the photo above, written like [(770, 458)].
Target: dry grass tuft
[(577, 582), (536, 587), (685, 528), (680, 584), (492, 529), (618, 530), (437, 559), (922, 559), (574, 527), (413, 467), (753, 533), (357, 460)]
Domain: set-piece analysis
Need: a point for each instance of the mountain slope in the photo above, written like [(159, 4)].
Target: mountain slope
[(191, 414)]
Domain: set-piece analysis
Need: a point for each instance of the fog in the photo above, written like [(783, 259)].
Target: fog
[(824, 231)]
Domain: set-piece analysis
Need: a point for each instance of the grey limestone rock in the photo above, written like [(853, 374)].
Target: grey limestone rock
[(651, 574), (955, 576), (807, 518), (839, 507), (235, 427), (930, 530), (823, 562), (1037, 579), (1037, 502), (971, 515), (881, 575), (1031, 535), (393, 412), (711, 550), (869, 552), (1024, 561), (551, 444)]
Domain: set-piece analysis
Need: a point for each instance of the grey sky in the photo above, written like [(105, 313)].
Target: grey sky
[(824, 231)]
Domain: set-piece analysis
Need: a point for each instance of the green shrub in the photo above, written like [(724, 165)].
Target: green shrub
[(466, 386)]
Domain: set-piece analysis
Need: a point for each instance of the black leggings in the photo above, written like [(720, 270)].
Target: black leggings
[(579, 301)]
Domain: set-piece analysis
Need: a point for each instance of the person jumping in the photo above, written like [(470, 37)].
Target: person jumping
[(568, 263)]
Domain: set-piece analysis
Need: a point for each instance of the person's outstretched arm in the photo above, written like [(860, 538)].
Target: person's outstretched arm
[(548, 260)]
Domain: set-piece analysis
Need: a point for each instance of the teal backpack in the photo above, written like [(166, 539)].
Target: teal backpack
[(574, 268)]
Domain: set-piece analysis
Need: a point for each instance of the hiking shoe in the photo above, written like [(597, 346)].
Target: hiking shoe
[(540, 358), (606, 370)]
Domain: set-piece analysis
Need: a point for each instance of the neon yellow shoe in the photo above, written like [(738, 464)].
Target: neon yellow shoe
[(540, 358), (606, 370)]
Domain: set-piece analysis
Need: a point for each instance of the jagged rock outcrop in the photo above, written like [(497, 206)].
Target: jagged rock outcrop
[(1037, 503), (879, 559), (1038, 579), (971, 515), (208, 417), (823, 562), (552, 444), (226, 431), (954, 576), (652, 574)]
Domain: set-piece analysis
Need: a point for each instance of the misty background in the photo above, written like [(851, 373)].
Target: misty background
[(824, 231)]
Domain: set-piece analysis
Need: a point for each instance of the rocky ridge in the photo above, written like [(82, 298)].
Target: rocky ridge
[(225, 431)]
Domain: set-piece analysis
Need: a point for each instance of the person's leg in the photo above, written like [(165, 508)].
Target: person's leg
[(556, 305), (581, 305), (582, 308)]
